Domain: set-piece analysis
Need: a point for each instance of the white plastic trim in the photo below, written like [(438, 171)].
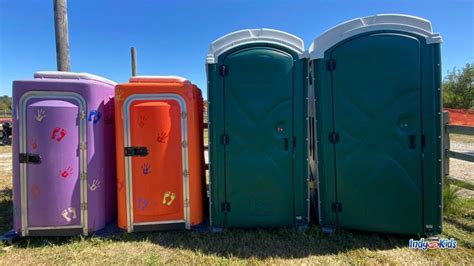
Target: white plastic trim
[(174, 78), (248, 36), (356, 26), (72, 75)]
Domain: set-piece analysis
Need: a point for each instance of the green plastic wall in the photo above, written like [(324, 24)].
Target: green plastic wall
[(260, 101), (385, 87)]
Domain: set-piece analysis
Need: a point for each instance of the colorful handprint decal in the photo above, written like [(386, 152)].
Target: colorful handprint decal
[(120, 186), (94, 116), (69, 214), (67, 172), (118, 95), (168, 195), (40, 115), (146, 168), (36, 191), (58, 134), (162, 137), (33, 144), (142, 119), (95, 185), (142, 204)]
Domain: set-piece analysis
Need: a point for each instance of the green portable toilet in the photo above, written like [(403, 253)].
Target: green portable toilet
[(258, 115), (377, 83)]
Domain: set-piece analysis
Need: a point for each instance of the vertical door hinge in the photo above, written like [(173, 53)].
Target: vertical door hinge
[(331, 65), (184, 115), (84, 206), (423, 141), (185, 144), (334, 137), (185, 174), (84, 176), (336, 207), (225, 207), (83, 146), (224, 139), (82, 115), (186, 203), (223, 71)]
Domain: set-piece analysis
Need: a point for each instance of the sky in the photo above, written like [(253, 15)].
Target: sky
[(172, 37)]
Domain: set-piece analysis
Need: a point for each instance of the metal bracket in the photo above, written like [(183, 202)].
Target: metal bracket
[(225, 207), (223, 71), (224, 139), (334, 137), (30, 158), (331, 65), (336, 207), (136, 151)]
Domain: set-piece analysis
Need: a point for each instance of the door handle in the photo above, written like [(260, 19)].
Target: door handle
[(412, 142), (286, 143)]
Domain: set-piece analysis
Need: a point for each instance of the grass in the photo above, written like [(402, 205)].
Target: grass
[(278, 246)]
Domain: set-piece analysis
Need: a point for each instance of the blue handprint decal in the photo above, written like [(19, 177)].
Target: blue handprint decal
[(94, 116), (142, 204)]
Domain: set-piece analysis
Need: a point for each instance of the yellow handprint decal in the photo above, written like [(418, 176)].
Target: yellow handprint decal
[(167, 195)]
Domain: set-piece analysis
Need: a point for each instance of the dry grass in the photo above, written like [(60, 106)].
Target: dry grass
[(283, 246)]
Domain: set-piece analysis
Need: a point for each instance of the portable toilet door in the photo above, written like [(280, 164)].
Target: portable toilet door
[(257, 124), (159, 154), (378, 98), (62, 176)]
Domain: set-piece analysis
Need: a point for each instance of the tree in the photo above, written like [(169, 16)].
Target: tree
[(458, 88)]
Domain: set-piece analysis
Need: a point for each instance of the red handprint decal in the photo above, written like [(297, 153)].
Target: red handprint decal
[(58, 134), (142, 119), (33, 144), (66, 172), (162, 136), (36, 191)]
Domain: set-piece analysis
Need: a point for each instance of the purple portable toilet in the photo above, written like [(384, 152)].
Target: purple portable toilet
[(64, 180)]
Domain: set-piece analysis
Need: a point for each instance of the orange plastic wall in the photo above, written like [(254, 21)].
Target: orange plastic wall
[(157, 124)]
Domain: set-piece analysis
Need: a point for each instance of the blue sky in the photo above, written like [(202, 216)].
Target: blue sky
[(172, 37)]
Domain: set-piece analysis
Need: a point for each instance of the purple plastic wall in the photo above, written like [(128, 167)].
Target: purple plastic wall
[(55, 187)]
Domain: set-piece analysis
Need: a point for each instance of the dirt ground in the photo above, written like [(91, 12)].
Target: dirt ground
[(461, 169)]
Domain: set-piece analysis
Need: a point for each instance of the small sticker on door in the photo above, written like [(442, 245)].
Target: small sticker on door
[(36, 191), (162, 137), (94, 116), (33, 144), (142, 204), (40, 115), (118, 94), (69, 214), (58, 134), (94, 185), (168, 198), (146, 169), (66, 172), (142, 119)]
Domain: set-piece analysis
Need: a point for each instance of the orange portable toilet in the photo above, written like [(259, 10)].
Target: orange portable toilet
[(160, 158)]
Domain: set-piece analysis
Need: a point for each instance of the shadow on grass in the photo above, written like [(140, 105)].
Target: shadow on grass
[(258, 243), (6, 210)]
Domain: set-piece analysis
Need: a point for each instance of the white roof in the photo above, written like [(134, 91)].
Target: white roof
[(248, 36), (72, 75), (372, 23), (159, 78)]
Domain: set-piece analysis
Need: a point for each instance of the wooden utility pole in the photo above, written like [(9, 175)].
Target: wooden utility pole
[(134, 61), (62, 36)]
